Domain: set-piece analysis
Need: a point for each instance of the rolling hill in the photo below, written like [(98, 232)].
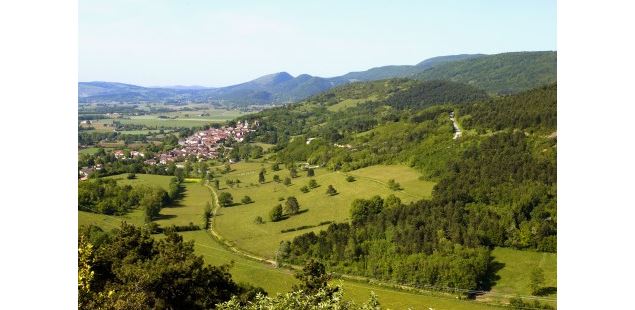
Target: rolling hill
[(497, 74)]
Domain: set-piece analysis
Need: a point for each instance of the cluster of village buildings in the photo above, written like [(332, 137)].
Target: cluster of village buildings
[(203, 145)]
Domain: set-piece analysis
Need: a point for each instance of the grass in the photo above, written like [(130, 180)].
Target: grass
[(236, 223), (89, 150), (349, 103), (108, 222), (280, 280), (516, 268), (189, 208)]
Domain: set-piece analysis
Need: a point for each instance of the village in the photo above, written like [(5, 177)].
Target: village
[(202, 145)]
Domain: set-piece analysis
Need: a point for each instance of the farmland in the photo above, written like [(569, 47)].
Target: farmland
[(236, 223)]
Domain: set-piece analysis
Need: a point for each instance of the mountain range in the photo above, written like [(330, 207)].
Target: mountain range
[(496, 74)]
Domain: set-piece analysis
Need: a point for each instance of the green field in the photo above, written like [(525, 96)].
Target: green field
[(349, 103), (516, 268), (89, 150), (189, 208), (108, 222), (237, 223), (280, 280)]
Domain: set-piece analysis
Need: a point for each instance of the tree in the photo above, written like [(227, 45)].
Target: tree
[(304, 189), (261, 177), (350, 178), (207, 213), (276, 213), (393, 185), (216, 184), (227, 168), (313, 183), (310, 172), (246, 200), (536, 281), (134, 271), (313, 277), (259, 220), (293, 172), (225, 199), (275, 167), (131, 176), (287, 181), (292, 206), (331, 190), (276, 178)]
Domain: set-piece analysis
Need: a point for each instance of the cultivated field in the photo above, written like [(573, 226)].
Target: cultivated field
[(236, 223)]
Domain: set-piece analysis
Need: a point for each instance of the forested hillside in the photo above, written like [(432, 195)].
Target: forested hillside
[(501, 73), (496, 183)]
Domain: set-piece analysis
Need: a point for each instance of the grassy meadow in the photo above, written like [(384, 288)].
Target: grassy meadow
[(515, 268), (236, 223)]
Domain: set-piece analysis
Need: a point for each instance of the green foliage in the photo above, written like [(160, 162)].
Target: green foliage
[(130, 270), (433, 93), (246, 200), (501, 73), (225, 199), (291, 206), (106, 197), (276, 178), (131, 176), (276, 213), (530, 110), (393, 185), (287, 181), (324, 298), (313, 183), (313, 277), (259, 220), (310, 172), (536, 281), (350, 178), (304, 189), (331, 190)]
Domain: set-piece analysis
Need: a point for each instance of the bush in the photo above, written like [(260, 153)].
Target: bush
[(350, 178), (131, 176), (394, 185), (276, 213), (313, 183), (225, 199), (304, 189), (259, 220), (287, 181), (246, 200), (331, 191)]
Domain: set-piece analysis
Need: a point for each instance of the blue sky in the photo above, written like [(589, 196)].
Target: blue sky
[(218, 43)]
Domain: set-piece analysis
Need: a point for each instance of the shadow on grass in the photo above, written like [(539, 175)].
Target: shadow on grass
[(164, 217), (544, 291)]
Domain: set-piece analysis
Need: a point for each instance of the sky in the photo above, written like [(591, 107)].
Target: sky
[(220, 43)]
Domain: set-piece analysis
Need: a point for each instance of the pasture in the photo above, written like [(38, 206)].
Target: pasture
[(188, 208), (237, 224), (515, 268), (349, 103)]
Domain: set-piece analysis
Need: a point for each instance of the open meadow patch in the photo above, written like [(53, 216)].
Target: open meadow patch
[(238, 223)]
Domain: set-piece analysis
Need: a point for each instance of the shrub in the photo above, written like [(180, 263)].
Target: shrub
[(313, 183), (276, 213), (287, 181), (331, 190), (259, 220), (225, 199), (246, 200), (350, 178), (393, 185), (131, 176), (304, 189)]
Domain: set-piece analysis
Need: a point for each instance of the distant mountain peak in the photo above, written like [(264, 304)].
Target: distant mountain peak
[(274, 78)]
